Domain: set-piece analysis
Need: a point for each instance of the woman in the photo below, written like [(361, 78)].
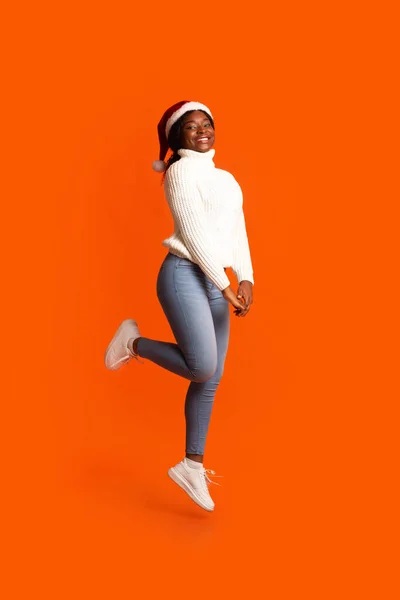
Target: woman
[(192, 286)]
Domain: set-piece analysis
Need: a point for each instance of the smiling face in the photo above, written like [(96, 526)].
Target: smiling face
[(197, 132)]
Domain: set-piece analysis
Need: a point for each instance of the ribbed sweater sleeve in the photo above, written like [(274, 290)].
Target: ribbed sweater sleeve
[(242, 265), (187, 210)]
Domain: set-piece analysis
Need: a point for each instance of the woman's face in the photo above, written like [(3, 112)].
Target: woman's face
[(197, 132)]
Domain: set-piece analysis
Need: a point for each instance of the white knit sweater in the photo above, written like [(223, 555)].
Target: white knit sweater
[(209, 224)]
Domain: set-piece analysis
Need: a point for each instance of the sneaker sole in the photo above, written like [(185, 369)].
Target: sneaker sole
[(116, 365), (181, 481)]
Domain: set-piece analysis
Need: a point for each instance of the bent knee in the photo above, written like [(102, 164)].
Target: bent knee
[(204, 371)]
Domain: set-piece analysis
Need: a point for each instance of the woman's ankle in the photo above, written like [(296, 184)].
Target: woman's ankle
[(133, 345), (195, 457)]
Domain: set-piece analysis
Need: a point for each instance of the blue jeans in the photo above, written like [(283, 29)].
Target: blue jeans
[(199, 318)]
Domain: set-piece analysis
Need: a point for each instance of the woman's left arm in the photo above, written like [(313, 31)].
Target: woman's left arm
[(242, 264)]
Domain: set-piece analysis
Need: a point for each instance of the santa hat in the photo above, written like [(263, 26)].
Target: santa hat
[(171, 115)]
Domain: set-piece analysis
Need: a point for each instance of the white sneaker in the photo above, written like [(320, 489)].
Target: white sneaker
[(118, 353), (194, 482)]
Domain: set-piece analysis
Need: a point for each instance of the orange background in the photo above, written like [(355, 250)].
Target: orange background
[(303, 427)]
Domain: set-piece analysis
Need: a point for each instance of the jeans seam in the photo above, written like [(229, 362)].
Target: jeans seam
[(186, 321)]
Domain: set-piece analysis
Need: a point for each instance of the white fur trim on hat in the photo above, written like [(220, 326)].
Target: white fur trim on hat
[(181, 111)]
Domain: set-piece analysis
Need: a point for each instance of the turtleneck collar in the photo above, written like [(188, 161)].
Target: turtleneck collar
[(201, 157)]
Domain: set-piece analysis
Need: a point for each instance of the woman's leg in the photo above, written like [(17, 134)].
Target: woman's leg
[(200, 396), (183, 291)]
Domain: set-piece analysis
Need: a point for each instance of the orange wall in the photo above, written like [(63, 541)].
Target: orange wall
[(92, 513)]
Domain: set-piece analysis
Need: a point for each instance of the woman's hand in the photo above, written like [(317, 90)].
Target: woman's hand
[(245, 294), (230, 295)]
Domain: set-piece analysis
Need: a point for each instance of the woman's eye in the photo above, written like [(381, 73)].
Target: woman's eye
[(195, 126)]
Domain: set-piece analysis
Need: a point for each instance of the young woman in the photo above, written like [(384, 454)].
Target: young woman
[(192, 286)]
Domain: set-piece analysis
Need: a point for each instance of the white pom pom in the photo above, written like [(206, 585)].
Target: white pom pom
[(159, 166)]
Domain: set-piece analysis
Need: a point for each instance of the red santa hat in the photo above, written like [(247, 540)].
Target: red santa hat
[(171, 115)]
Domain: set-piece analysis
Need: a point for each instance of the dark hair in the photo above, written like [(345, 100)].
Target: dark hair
[(175, 138)]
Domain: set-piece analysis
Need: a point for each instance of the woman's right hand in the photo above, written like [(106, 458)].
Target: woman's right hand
[(230, 295)]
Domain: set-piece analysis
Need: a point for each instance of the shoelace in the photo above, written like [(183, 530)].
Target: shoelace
[(127, 358), (135, 356), (205, 477)]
